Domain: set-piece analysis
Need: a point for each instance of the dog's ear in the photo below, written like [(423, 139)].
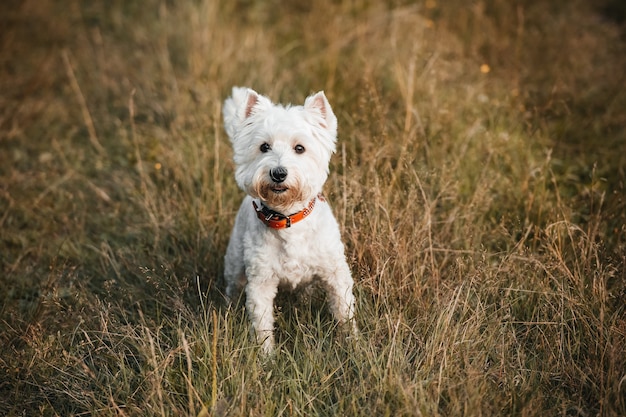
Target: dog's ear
[(251, 101), (318, 106), (238, 107)]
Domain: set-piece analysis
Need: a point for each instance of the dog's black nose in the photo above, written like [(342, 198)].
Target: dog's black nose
[(278, 174)]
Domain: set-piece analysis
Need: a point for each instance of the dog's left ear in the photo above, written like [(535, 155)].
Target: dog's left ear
[(317, 105)]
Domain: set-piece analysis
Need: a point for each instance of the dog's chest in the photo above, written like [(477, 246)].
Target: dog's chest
[(297, 260)]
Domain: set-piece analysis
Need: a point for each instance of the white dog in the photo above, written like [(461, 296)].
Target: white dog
[(285, 234)]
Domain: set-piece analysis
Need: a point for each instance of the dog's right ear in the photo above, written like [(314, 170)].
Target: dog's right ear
[(251, 101), (238, 107)]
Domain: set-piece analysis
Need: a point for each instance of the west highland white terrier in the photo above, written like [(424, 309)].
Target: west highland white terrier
[(285, 234)]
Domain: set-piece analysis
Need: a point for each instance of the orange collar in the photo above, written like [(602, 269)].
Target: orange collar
[(275, 220)]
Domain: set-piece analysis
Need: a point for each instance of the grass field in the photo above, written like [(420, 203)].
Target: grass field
[(479, 186)]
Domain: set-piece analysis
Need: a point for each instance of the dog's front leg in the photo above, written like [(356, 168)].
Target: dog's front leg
[(260, 307), (339, 285)]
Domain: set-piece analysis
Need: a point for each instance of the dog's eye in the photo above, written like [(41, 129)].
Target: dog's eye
[(265, 147), (299, 149)]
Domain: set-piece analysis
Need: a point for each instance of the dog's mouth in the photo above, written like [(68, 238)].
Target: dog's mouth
[(279, 189)]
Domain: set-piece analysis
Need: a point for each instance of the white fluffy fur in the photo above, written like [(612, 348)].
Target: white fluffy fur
[(259, 259)]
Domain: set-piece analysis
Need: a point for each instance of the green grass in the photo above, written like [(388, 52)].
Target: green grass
[(479, 185)]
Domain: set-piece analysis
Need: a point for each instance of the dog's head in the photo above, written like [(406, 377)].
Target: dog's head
[(281, 153)]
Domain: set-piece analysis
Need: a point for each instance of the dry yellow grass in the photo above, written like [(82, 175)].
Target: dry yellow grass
[(479, 185)]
